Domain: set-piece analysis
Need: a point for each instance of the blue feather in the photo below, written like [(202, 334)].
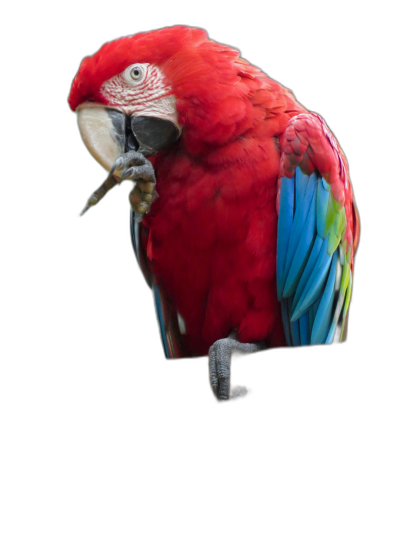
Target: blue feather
[(323, 195), (331, 334), (307, 260), (314, 285), (310, 320), (285, 221), (300, 217), (303, 323), (321, 338), (134, 234), (295, 332), (316, 249), (323, 317), (286, 321), (302, 251), (160, 316), (311, 312)]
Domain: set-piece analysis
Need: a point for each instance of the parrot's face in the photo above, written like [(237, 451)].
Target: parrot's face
[(139, 92), (140, 95), (133, 98), (133, 110)]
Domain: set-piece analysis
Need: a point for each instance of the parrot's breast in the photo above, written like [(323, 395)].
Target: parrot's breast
[(211, 247)]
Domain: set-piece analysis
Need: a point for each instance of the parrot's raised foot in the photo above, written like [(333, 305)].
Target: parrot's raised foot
[(220, 366), (135, 167), (132, 166)]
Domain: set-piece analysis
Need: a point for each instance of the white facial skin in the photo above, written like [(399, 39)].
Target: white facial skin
[(141, 90)]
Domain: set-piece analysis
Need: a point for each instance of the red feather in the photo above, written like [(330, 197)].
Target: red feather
[(212, 233), (211, 236)]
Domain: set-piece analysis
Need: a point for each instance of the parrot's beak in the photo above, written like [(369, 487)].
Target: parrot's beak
[(108, 133), (103, 130)]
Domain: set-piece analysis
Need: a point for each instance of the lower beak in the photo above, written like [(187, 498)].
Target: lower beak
[(108, 133)]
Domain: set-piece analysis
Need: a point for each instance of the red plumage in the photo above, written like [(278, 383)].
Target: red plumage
[(210, 238), (157, 47)]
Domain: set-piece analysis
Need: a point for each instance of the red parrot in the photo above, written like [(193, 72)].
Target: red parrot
[(242, 213)]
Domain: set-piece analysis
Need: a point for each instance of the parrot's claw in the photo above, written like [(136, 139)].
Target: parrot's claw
[(220, 366), (135, 167), (141, 197)]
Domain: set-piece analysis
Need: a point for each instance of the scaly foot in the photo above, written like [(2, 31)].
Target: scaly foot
[(135, 167), (220, 366), (132, 166)]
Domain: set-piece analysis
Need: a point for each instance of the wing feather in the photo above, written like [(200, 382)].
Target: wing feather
[(315, 247)]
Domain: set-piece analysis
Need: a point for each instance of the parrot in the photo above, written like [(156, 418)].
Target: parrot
[(242, 214)]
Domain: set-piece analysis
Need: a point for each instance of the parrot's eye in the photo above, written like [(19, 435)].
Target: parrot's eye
[(136, 73)]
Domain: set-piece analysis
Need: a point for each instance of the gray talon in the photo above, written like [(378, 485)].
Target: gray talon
[(116, 165), (128, 173), (220, 366), (133, 158), (135, 167), (143, 193)]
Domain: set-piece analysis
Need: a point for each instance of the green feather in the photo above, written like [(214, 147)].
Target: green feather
[(330, 216), (346, 303), (345, 278), (348, 295), (333, 242)]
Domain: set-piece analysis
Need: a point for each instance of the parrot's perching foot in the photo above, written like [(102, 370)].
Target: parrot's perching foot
[(220, 366), (130, 166)]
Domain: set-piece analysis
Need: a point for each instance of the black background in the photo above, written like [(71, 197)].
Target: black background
[(106, 367)]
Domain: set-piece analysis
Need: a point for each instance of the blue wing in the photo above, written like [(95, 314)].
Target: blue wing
[(313, 271)]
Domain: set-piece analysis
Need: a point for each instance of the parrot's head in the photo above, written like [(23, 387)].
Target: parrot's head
[(123, 98), (159, 92), (146, 91)]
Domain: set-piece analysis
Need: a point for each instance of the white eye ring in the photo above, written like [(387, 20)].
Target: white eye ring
[(136, 73)]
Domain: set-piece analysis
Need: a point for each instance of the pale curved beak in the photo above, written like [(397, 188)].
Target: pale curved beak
[(103, 131)]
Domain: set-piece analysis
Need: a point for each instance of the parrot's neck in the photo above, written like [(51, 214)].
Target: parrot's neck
[(255, 106)]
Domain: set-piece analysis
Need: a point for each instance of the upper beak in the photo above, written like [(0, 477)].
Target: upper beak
[(103, 132), (109, 133)]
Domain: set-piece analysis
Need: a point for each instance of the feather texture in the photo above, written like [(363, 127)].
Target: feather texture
[(168, 319), (214, 247), (309, 264)]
